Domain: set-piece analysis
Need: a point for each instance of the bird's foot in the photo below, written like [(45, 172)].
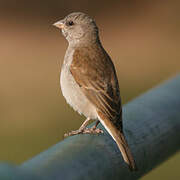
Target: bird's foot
[(92, 130)]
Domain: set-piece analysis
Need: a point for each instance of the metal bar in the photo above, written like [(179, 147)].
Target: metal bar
[(152, 129)]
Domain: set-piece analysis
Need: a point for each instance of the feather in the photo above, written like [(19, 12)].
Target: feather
[(95, 74)]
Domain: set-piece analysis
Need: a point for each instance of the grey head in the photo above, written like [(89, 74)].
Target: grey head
[(78, 28)]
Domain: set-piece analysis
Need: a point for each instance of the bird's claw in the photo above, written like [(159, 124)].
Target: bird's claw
[(84, 131)]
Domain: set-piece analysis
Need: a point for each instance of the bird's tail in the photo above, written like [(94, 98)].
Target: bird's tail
[(120, 141)]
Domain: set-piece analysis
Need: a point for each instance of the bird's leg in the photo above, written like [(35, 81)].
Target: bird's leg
[(84, 130), (93, 130), (84, 124), (95, 126), (80, 130)]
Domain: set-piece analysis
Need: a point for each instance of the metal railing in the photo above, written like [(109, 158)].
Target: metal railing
[(151, 127)]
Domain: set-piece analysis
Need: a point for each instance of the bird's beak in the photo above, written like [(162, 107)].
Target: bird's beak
[(59, 24)]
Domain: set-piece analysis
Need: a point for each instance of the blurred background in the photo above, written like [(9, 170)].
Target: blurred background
[(142, 37)]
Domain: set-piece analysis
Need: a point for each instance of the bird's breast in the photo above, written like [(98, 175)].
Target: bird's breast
[(71, 90)]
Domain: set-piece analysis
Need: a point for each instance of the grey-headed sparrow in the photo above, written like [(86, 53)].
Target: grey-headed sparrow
[(89, 82)]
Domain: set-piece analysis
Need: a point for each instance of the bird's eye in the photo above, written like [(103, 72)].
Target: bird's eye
[(70, 23)]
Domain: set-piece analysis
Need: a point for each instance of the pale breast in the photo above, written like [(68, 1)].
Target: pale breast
[(71, 90)]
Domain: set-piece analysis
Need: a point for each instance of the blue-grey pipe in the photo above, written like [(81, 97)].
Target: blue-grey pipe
[(152, 129)]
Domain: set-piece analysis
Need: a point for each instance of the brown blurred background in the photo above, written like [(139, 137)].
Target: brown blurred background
[(142, 37)]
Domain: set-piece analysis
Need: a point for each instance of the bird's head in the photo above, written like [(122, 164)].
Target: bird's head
[(78, 28)]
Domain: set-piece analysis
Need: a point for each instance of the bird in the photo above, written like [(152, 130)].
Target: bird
[(89, 82)]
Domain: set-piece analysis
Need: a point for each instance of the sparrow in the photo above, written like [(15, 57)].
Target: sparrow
[(89, 82)]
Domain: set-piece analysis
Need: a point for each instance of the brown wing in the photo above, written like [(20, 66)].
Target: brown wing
[(94, 71)]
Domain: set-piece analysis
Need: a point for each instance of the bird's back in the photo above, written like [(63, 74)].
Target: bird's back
[(94, 71)]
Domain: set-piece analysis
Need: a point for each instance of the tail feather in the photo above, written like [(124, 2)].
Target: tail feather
[(120, 141), (125, 151)]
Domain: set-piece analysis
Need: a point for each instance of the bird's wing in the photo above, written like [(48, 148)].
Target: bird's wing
[(94, 72)]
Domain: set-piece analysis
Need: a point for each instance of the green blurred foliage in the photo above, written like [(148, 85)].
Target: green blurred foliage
[(142, 37)]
